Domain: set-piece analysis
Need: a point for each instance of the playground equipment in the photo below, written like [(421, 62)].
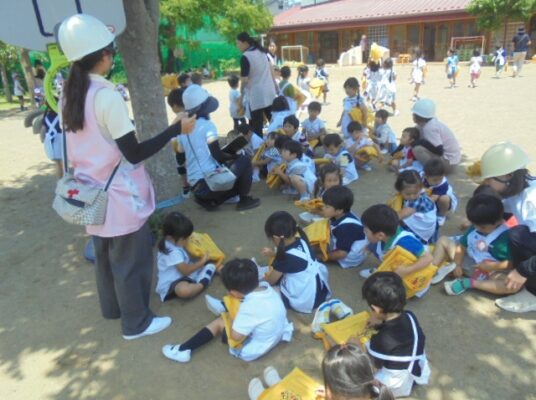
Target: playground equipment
[(297, 54), (32, 24)]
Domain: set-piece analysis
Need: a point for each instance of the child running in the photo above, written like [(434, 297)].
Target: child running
[(398, 347), (441, 192), (451, 67), (177, 275), (353, 100), (417, 73), (475, 68), (335, 151), (387, 90), (261, 322), (419, 212), (303, 281), (483, 253), (348, 245)]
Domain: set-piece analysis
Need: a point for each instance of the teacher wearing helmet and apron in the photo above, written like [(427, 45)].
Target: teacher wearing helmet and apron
[(102, 145), (504, 168)]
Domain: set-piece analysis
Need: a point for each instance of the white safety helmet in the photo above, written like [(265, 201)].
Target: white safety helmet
[(82, 34), (424, 108), (503, 159)]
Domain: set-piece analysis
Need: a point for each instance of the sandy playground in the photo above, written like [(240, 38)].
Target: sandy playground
[(54, 344)]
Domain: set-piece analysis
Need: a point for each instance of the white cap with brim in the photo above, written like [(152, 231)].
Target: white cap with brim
[(197, 100)]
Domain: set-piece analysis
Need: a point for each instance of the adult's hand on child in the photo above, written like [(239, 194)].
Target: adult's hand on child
[(187, 123), (515, 280)]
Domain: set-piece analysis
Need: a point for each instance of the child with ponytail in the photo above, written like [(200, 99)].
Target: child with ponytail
[(302, 279)]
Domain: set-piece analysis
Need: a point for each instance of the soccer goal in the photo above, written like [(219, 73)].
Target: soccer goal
[(465, 45), (299, 54)]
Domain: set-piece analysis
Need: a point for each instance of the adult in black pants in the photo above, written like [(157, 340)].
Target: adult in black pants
[(257, 81), (199, 154), (504, 169)]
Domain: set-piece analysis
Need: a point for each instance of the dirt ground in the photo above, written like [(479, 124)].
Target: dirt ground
[(54, 344)]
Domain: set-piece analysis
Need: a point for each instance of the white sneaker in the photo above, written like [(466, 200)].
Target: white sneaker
[(366, 167), (521, 302), (442, 272), (232, 200), (271, 376), (340, 310), (214, 305), (255, 389), (397, 113), (158, 324), (172, 352), (441, 219), (321, 317), (255, 179), (365, 273), (208, 271)]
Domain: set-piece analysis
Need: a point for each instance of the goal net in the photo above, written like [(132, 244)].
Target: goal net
[(299, 54), (465, 45)]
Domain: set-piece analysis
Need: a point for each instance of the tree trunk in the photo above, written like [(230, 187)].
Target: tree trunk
[(5, 83), (28, 74), (138, 45)]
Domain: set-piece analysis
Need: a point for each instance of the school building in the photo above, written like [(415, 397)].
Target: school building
[(329, 27)]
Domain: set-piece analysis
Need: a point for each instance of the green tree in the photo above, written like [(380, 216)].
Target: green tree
[(492, 14), (8, 58)]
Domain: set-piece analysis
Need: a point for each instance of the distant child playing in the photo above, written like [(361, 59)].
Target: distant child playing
[(322, 74), (348, 245), (353, 100), (475, 68), (417, 73), (236, 109), (397, 349), (451, 67), (261, 322), (177, 275), (387, 90), (303, 281)]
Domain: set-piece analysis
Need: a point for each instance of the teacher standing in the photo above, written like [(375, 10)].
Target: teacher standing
[(100, 139), (257, 83)]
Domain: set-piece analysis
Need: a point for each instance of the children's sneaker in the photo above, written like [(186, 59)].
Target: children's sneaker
[(255, 389), (158, 324), (271, 376), (207, 272), (521, 302), (366, 167), (442, 272), (441, 219), (214, 305), (365, 273), (321, 317), (457, 286), (340, 309), (173, 352)]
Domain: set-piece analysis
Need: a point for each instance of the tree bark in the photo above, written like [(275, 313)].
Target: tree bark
[(28, 74), (138, 45), (5, 83)]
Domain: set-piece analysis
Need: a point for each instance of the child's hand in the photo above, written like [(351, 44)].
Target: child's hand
[(458, 272), (268, 252), (402, 271), (374, 321), (204, 259)]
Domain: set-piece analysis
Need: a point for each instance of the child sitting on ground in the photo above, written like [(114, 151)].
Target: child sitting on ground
[(303, 281), (291, 126), (313, 127), (236, 109), (335, 151), (349, 374), (419, 213), (356, 144), (329, 176), (383, 229), (261, 322), (271, 157), (177, 275), (297, 175), (349, 243), (353, 100), (397, 349), (280, 110), (407, 160), (483, 253), (383, 134), (440, 190)]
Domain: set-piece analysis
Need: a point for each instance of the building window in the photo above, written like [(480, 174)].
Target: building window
[(379, 34), (458, 29), (472, 29), (414, 37), (398, 39)]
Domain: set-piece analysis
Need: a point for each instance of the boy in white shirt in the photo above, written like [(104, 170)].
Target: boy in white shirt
[(260, 324), (383, 135), (313, 127), (335, 151), (235, 107)]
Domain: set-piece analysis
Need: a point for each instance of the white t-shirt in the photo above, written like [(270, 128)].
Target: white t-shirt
[(277, 120), (167, 268), (111, 110), (385, 134), (418, 70), (262, 317), (363, 142), (234, 96), (313, 127), (523, 206), (475, 64)]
